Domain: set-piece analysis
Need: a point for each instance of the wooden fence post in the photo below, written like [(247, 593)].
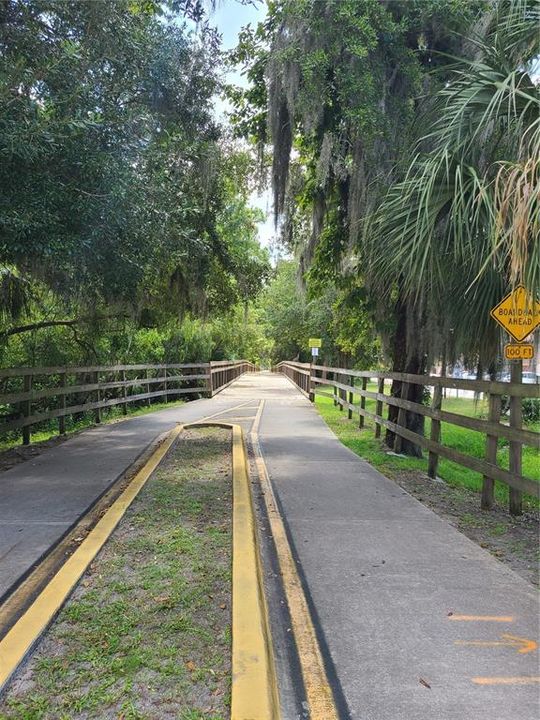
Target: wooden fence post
[(335, 391), (311, 385), (62, 418), (26, 409), (362, 419), (435, 435), (379, 407), (148, 400), (98, 397), (124, 392), (516, 418), (210, 381), (351, 398), (165, 385), (488, 483), (401, 418)]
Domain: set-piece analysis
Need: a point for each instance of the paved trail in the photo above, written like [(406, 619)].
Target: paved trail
[(417, 622)]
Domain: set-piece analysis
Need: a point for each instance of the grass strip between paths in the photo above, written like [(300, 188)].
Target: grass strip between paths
[(147, 632)]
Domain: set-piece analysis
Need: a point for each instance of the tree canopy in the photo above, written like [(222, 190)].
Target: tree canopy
[(404, 144), (404, 156), (401, 140), (122, 197)]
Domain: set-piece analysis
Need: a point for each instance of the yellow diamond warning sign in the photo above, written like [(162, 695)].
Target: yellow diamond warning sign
[(518, 313)]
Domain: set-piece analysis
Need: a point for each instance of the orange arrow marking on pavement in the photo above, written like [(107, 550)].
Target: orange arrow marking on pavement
[(522, 645)]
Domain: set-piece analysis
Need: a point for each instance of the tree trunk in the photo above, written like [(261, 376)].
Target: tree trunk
[(406, 360)]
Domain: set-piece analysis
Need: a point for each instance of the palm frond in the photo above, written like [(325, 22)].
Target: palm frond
[(465, 219)]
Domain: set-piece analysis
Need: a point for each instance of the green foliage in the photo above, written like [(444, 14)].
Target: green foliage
[(124, 208), (464, 220), (354, 329), (339, 83), (340, 318), (531, 410), (404, 160), (105, 122), (285, 313)]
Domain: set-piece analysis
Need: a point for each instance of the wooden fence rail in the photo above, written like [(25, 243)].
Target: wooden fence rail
[(344, 385), (29, 396)]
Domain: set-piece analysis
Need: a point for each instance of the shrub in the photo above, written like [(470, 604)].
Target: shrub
[(531, 409)]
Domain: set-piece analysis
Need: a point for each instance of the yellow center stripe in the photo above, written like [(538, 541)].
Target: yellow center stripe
[(254, 693), (318, 691)]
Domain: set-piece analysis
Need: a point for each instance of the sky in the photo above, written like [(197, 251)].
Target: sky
[(230, 17)]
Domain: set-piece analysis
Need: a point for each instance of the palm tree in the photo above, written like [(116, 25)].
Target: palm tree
[(462, 226)]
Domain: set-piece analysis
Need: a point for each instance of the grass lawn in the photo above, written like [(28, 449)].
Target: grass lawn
[(109, 415), (147, 632), (363, 443)]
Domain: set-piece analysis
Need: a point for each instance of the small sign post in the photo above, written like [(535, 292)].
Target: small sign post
[(519, 314), (314, 344)]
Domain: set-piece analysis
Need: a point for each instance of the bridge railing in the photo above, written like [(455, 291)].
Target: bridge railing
[(299, 373), (223, 373), (31, 397), (348, 389)]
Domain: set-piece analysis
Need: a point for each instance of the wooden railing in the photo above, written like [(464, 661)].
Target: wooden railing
[(222, 373), (298, 373), (347, 385), (30, 396)]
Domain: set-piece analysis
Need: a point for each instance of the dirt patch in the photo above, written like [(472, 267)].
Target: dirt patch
[(146, 634), (22, 453), (513, 540)]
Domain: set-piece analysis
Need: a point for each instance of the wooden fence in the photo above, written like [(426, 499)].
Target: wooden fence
[(347, 385), (29, 396)]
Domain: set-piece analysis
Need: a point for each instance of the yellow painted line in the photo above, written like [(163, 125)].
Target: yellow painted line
[(24, 634), (318, 691), (254, 693), (257, 422), (483, 618), (522, 645), (519, 680)]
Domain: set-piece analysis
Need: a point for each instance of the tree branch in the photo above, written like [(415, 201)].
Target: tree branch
[(57, 323)]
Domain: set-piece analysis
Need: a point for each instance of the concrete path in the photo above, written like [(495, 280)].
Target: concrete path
[(396, 592)]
